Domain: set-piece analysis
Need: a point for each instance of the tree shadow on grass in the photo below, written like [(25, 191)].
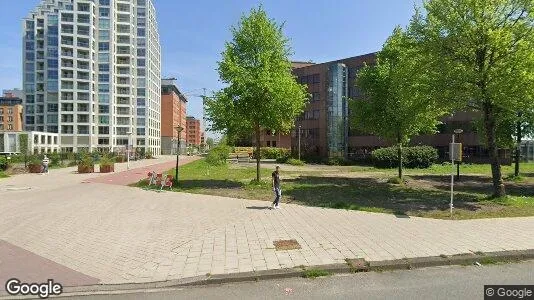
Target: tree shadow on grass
[(210, 184), (475, 184), (372, 195)]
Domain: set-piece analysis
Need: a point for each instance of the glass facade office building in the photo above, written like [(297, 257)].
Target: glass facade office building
[(92, 73), (337, 106)]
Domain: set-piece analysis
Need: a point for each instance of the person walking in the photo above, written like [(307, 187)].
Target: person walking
[(46, 162), (276, 188)]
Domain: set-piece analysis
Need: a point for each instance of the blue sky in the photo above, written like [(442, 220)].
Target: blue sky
[(192, 34)]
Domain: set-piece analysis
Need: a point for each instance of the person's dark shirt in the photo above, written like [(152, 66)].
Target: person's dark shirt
[(276, 179)]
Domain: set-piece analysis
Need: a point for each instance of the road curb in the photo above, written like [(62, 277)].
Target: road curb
[(351, 266)]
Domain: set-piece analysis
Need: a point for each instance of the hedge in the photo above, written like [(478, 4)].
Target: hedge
[(273, 153), (413, 157)]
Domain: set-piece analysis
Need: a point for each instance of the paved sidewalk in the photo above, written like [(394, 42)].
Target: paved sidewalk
[(118, 234)]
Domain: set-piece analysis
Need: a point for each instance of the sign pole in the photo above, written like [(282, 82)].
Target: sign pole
[(452, 174)]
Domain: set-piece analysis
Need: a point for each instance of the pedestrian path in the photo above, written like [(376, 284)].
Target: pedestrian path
[(118, 234)]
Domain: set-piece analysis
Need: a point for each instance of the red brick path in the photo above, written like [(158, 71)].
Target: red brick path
[(28, 267), (134, 175)]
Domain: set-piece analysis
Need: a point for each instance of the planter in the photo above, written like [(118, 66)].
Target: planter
[(107, 168), (37, 168), (86, 169)]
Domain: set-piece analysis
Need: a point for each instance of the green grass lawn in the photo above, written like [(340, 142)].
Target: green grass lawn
[(3, 174), (425, 194)]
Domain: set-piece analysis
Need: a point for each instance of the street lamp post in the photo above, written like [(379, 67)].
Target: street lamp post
[(128, 150), (300, 126), (178, 130)]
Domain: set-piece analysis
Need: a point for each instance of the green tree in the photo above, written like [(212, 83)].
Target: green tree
[(261, 91), (483, 50), (210, 142), (23, 143), (397, 103)]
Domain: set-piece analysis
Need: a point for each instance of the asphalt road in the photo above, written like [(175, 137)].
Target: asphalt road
[(432, 283)]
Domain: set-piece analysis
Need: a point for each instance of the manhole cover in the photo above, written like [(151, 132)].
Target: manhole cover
[(286, 245)]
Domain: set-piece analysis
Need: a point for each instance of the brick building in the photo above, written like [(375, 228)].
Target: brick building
[(173, 114), (325, 127), (11, 113), (193, 131)]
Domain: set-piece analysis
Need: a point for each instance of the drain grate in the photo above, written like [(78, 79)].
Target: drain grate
[(286, 245)]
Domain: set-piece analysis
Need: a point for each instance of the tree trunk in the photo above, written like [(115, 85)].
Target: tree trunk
[(399, 156), (258, 154), (518, 148), (491, 132)]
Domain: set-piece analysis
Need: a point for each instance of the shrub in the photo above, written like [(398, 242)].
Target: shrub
[(148, 154), (106, 160), (295, 162), (282, 160), (421, 157), (413, 157), (272, 152), (218, 155), (34, 160), (4, 163), (86, 160), (55, 159)]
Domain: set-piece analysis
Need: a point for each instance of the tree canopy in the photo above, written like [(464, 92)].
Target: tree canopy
[(397, 100), (261, 92), (482, 54)]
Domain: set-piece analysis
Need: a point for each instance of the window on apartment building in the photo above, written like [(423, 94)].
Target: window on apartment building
[(103, 88), (9, 127), (83, 7), (103, 24), (316, 97), (103, 12), (103, 98), (85, 19), (103, 67), (67, 129), (103, 46), (103, 35), (52, 107), (103, 109), (103, 77), (83, 129), (104, 2), (103, 129), (10, 111)]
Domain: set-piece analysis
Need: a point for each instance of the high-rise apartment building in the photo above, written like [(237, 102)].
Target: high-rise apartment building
[(92, 73)]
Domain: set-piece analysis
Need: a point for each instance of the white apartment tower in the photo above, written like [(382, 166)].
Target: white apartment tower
[(92, 73)]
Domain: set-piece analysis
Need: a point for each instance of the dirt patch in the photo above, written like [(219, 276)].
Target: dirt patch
[(286, 245)]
